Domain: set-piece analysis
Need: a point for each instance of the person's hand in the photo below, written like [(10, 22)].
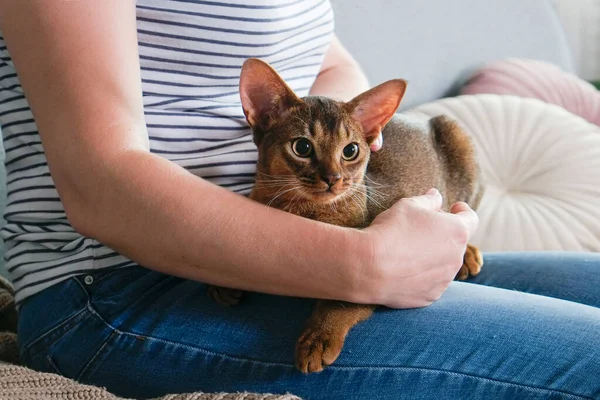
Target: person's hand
[(417, 250), (376, 145)]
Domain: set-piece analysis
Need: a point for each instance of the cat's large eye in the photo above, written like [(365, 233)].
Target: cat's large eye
[(350, 152), (302, 147)]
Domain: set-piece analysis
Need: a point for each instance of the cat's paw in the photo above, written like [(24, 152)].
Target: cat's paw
[(318, 348), (225, 296), (472, 263)]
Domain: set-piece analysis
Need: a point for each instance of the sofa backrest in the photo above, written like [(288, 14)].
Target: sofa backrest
[(437, 44)]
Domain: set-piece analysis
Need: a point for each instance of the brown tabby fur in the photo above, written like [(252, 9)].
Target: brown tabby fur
[(415, 157)]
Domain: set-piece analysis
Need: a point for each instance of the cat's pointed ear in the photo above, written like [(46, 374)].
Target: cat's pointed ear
[(374, 108), (265, 96)]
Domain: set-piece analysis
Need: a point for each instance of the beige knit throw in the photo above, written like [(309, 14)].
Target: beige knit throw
[(20, 383)]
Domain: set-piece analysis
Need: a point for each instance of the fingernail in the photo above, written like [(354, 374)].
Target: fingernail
[(433, 192)]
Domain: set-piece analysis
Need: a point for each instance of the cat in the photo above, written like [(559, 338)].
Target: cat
[(324, 146)]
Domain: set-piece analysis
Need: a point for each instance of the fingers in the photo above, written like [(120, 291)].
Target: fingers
[(432, 200), (376, 145), (467, 216)]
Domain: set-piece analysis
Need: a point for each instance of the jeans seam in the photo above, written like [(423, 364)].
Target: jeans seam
[(89, 364), (52, 363)]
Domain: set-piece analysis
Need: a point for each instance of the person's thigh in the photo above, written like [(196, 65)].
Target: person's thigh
[(563, 275), (150, 334)]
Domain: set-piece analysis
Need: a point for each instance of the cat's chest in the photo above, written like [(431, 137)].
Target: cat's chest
[(348, 212)]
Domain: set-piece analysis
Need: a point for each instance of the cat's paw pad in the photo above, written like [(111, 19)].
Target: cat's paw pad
[(317, 348), (472, 263), (225, 296)]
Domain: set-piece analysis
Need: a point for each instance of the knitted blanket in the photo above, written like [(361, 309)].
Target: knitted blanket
[(20, 383)]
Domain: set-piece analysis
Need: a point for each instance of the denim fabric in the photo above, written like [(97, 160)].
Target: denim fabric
[(527, 328)]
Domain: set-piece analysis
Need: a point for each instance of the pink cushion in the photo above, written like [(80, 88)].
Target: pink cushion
[(539, 80)]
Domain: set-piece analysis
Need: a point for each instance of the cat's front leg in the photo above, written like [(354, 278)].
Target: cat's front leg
[(472, 263), (225, 296), (323, 338)]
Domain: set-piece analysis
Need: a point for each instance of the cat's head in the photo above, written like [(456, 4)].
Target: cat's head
[(316, 147)]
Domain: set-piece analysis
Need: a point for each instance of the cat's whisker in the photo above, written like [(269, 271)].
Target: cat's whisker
[(277, 179), (375, 195), (351, 192), (372, 182), (265, 181), (364, 186), (283, 187), (275, 176), (359, 196), (372, 196), (371, 193), (377, 203), (333, 206), (299, 194), (354, 197), (273, 185), (280, 189), (281, 194)]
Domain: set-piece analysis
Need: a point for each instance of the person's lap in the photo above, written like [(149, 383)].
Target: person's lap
[(144, 334)]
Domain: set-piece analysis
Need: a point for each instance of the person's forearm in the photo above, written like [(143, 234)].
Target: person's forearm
[(79, 67), (169, 220)]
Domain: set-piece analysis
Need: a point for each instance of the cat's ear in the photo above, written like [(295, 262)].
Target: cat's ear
[(265, 96), (374, 108)]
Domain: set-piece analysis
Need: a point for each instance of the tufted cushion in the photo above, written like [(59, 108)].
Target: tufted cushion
[(538, 80), (542, 171)]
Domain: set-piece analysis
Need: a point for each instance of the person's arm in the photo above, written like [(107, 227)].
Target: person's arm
[(79, 67), (341, 78)]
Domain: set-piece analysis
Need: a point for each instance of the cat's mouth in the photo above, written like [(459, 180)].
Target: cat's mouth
[(325, 195)]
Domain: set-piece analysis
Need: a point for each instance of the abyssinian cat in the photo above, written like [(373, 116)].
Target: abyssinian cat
[(314, 160)]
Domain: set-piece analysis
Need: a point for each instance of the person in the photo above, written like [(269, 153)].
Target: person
[(128, 158)]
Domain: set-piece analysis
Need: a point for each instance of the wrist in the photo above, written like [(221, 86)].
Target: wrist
[(363, 272)]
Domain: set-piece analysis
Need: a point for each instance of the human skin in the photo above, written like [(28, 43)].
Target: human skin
[(79, 67)]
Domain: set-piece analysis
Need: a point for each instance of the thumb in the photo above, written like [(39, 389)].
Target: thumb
[(432, 200), (467, 215)]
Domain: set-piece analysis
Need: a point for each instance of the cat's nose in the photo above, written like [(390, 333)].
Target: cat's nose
[(332, 179)]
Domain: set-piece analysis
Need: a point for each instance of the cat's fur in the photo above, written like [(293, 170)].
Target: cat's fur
[(415, 157)]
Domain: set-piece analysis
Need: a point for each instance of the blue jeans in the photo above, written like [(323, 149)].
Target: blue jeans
[(527, 328)]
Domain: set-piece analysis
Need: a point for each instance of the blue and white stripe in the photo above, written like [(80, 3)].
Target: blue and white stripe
[(191, 53)]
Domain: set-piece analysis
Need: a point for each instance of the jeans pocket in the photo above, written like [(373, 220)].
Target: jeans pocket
[(37, 347), (100, 355), (74, 351)]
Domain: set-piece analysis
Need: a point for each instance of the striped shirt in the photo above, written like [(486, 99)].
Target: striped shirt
[(191, 53)]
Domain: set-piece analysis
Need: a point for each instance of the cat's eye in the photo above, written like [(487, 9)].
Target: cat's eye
[(350, 152), (302, 147)]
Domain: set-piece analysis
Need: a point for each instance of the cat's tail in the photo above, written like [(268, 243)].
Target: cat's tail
[(456, 153)]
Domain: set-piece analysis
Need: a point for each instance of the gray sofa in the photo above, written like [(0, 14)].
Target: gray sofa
[(437, 44)]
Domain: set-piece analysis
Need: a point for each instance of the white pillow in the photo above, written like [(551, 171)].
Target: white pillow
[(542, 171)]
